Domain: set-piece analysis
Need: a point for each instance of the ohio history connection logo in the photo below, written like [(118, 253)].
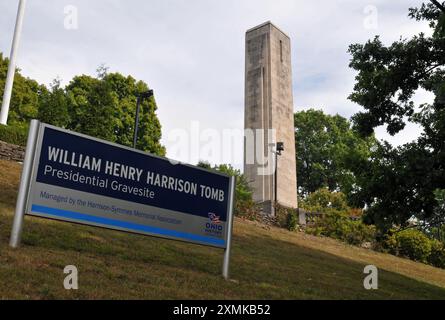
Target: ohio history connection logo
[(214, 226)]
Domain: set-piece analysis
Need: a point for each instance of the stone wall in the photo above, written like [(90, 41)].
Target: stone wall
[(11, 152)]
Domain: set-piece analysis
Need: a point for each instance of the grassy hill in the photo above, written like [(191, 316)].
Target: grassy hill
[(267, 263)]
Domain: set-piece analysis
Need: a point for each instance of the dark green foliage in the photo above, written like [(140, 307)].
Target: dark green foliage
[(286, 217), (204, 165), (292, 221), (126, 90), (389, 76), (438, 220), (327, 152), (14, 135), (92, 105), (437, 256), (398, 183), (243, 192), (105, 107), (53, 106), (437, 232)]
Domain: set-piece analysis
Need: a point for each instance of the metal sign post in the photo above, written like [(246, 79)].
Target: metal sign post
[(24, 184), (226, 261), (12, 63)]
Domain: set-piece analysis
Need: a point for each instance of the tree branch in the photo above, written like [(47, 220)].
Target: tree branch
[(438, 5)]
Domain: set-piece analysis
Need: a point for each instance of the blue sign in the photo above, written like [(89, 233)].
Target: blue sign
[(82, 179)]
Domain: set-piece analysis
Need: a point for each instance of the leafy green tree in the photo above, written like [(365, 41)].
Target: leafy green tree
[(102, 106), (127, 89), (92, 105), (327, 151), (399, 183), (53, 106), (105, 107), (438, 221), (25, 96), (324, 200), (243, 190)]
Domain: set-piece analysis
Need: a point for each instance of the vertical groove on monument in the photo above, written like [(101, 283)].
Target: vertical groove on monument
[(269, 105)]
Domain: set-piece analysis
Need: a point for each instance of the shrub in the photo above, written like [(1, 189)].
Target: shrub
[(359, 233), (324, 200), (315, 231), (247, 209), (338, 225), (437, 255), (292, 221), (286, 217), (14, 134), (338, 222), (410, 243), (281, 216)]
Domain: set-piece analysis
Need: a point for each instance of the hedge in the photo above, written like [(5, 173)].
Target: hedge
[(414, 244), (14, 135), (338, 225)]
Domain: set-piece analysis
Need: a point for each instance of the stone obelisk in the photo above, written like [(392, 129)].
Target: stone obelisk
[(269, 116)]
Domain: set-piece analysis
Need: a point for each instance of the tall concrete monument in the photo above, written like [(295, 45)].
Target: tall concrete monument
[(269, 115)]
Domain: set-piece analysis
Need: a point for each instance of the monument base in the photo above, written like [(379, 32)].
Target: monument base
[(267, 208)]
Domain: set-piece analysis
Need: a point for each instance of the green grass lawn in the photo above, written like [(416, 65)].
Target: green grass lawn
[(267, 263)]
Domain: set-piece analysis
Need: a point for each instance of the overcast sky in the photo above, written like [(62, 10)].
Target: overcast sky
[(192, 52)]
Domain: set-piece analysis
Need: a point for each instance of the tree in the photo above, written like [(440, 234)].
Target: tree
[(438, 220), (243, 190), (399, 183), (127, 89), (105, 107), (53, 106), (25, 96), (327, 151), (324, 200), (92, 107)]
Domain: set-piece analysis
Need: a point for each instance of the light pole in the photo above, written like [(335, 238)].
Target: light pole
[(12, 63), (141, 97), (278, 149)]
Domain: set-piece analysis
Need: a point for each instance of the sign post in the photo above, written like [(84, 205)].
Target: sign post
[(76, 178), (226, 261), (12, 63), (25, 178)]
